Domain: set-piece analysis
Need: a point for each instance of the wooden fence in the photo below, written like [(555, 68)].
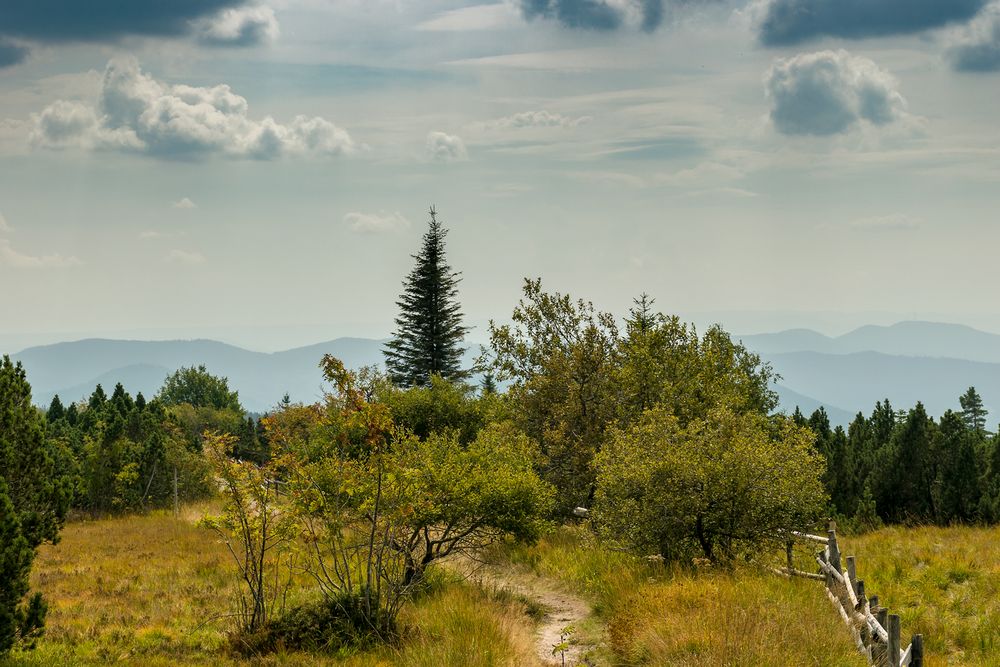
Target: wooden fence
[(875, 630)]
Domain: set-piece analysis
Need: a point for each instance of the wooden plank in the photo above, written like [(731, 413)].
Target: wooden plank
[(905, 660), (807, 536), (877, 627)]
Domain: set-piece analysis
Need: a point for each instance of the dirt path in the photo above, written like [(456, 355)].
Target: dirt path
[(562, 609)]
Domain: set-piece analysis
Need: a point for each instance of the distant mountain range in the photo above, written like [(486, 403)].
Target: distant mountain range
[(906, 362), (72, 370)]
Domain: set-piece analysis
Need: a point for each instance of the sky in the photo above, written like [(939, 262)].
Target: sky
[(260, 172)]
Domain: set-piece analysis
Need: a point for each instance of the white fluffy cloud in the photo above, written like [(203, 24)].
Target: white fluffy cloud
[(829, 92), (443, 147), (184, 202), (137, 113), (375, 223), (19, 260), (238, 26)]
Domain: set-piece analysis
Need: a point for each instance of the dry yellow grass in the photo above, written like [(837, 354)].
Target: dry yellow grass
[(670, 616), (943, 582), (154, 590)]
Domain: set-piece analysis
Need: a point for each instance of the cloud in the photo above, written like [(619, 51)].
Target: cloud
[(795, 21), (136, 113), (828, 92), (184, 202), (11, 53), (376, 223), (896, 222), (185, 257), (240, 26), (600, 15), (442, 147), (104, 20), (542, 118), (18, 260), (4, 227), (977, 47)]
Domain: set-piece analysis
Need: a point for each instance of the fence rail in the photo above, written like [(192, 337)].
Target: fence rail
[(875, 631)]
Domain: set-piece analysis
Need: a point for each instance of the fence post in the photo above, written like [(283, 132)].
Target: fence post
[(831, 534), (882, 616), (893, 647), (917, 651), (852, 573), (873, 603)]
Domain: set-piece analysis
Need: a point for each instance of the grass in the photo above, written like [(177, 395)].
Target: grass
[(671, 616), (154, 590), (943, 582)]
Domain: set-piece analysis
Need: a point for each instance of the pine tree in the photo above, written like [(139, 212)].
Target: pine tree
[(34, 498), (489, 385), (429, 329), (973, 411), (56, 410)]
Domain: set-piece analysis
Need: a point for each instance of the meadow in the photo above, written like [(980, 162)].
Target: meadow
[(156, 590)]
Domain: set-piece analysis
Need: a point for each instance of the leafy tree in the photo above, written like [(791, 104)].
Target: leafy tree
[(973, 412), (560, 355), (441, 406), (429, 331), (199, 388), (721, 488), (34, 498), (378, 505)]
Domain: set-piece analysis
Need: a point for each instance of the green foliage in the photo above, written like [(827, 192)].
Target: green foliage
[(441, 406), (376, 504), (973, 412), (429, 331), (199, 388), (20, 621), (34, 498), (573, 375), (561, 356), (719, 488)]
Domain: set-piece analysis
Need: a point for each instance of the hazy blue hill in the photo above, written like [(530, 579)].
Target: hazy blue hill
[(788, 400), (911, 339), (923, 339), (791, 340), (52, 367), (73, 369), (856, 381)]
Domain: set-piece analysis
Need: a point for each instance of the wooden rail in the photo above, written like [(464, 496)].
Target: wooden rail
[(875, 631)]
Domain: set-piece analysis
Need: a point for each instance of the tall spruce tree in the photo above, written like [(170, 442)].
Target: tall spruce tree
[(429, 331)]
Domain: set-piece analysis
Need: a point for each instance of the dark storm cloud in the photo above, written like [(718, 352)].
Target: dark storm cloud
[(795, 21), (98, 20), (595, 14), (11, 54), (978, 49)]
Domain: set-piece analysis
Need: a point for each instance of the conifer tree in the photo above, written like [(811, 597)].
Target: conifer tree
[(973, 411), (34, 498), (429, 331)]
